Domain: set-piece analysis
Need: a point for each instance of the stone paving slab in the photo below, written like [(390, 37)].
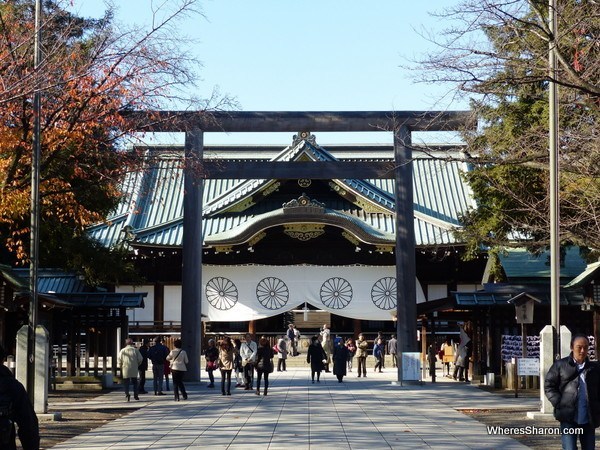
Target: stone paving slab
[(360, 413)]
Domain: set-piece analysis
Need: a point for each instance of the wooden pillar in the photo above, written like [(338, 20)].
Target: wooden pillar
[(78, 347), (596, 322), (96, 347), (191, 277), (88, 343), (252, 327), (424, 352), (159, 305), (71, 345), (406, 312), (124, 320), (357, 324), (105, 341)]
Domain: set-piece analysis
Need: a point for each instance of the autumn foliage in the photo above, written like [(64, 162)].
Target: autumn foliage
[(90, 73)]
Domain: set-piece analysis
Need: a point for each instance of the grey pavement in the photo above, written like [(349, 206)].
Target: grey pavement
[(360, 413)]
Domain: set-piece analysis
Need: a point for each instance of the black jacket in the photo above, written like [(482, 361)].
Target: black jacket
[(264, 355), (315, 356), (561, 384), (144, 351), (22, 412), (158, 354)]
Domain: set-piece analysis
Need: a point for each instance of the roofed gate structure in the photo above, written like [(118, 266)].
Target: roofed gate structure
[(323, 214)]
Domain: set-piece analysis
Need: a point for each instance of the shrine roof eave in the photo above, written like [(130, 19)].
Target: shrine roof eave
[(359, 229), (309, 148)]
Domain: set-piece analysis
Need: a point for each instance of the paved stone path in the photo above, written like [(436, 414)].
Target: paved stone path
[(360, 413)]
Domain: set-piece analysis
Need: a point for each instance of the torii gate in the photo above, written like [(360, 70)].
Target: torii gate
[(195, 124)]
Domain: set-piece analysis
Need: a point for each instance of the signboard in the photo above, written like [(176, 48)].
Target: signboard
[(528, 366), (524, 312), (411, 366)]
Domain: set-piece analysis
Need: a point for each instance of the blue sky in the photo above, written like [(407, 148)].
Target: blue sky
[(307, 54)]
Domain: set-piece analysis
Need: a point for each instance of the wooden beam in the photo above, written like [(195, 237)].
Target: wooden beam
[(282, 121), (294, 170)]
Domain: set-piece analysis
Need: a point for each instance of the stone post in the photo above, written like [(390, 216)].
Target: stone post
[(565, 341), (42, 365), (546, 360), (42, 369), (21, 355)]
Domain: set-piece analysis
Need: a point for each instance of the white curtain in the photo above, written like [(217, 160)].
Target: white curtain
[(240, 293)]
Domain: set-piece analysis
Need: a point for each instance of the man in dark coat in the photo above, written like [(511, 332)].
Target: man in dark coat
[(316, 357), (143, 366), (340, 359), (15, 407), (573, 387), (158, 355)]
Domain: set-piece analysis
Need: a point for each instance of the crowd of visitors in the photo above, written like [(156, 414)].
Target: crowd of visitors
[(246, 359)]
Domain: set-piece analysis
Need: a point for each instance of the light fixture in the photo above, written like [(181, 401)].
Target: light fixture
[(357, 249)]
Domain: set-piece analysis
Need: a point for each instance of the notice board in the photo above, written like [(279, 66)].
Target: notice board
[(411, 366), (528, 366)]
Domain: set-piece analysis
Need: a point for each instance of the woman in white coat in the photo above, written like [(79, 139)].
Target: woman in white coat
[(178, 359), (282, 352)]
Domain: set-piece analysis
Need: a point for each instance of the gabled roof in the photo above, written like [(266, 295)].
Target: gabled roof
[(152, 206), (590, 273), (65, 289), (521, 264), (482, 298)]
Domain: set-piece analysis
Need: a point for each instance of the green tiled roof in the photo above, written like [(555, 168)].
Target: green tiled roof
[(519, 263), (152, 204)]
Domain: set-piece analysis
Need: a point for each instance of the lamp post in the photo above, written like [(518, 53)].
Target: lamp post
[(554, 182), (35, 211)]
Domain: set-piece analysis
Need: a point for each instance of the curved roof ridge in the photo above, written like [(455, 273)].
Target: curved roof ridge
[(279, 217)]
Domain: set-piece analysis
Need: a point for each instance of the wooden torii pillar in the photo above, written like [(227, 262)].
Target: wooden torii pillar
[(197, 168)]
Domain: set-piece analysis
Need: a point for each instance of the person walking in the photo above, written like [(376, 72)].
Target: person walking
[(227, 354), (361, 355), (264, 364), (297, 337), (158, 355), (248, 351), (340, 360), (291, 337), (392, 347), (378, 354), (178, 360), (211, 355), (237, 363), (167, 372), (143, 366), (462, 357), (447, 354), (351, 346), (282, 353), (431, 359), (326, 344), (130, 359), (459, 362), (573, 387), (16, 408), (383, 348), (316, 357)]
